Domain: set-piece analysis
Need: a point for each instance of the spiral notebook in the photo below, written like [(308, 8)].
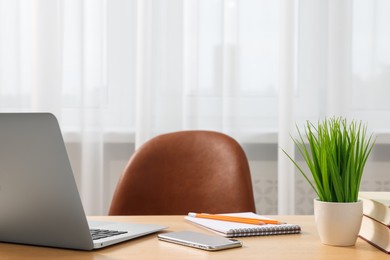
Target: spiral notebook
[(235, 229)]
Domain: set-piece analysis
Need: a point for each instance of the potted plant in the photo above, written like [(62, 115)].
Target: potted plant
[(335, 153)]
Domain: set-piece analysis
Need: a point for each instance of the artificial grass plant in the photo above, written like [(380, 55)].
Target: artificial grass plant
[(336, 155)]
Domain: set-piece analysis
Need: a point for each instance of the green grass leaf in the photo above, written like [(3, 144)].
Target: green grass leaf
[(335, 153)]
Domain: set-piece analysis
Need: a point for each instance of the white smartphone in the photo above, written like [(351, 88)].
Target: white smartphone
[(199, 240)]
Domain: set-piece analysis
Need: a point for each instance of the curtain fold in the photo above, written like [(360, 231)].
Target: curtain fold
[(287, 84), (339, 58)]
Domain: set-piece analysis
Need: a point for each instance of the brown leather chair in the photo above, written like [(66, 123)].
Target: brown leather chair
[(186, 171)]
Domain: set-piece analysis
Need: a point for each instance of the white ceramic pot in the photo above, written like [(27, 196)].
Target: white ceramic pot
[(338, 224)]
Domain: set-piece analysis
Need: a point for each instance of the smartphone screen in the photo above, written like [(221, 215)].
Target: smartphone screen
[(199, 240)]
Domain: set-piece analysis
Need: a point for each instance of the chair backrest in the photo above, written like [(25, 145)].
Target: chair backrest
[(186, 171)]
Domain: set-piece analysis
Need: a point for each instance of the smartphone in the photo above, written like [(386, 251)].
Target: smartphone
[(199, 240)]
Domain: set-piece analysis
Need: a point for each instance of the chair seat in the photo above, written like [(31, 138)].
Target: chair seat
[(175, 173)]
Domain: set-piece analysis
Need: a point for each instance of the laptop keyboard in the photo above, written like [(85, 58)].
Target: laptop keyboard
[(104, 233)]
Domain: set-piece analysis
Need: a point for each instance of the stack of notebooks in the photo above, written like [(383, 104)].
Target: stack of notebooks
[(236, 229), (375, 227)]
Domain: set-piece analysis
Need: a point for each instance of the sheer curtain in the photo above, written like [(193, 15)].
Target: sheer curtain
[(118, 72)]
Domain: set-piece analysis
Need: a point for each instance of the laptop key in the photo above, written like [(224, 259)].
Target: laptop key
[(103, 233)]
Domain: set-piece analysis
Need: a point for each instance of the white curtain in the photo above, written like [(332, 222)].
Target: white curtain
[(118, 72)]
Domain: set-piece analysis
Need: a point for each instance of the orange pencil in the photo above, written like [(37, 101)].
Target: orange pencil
[(254, 221)]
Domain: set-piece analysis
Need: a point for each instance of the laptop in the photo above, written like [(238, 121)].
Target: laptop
[(39, 201)]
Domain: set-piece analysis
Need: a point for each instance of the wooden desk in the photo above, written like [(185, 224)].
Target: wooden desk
[(300, 246)]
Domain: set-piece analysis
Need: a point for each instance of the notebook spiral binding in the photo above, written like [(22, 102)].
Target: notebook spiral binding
[(265, 230)]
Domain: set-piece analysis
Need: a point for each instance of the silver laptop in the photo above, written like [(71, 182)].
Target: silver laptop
[(39, 200)]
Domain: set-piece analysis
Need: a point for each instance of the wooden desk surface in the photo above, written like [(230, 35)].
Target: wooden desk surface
[(301, 246)]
